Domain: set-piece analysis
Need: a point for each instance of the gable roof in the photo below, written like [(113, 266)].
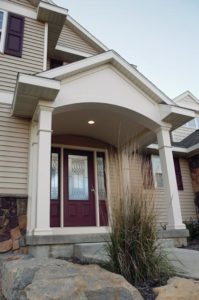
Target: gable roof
[(119, 63), (184, 95), (74, 25), (187, 100)]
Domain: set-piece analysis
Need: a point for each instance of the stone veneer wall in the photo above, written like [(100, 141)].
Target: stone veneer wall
[(194, 167), (13, 221)]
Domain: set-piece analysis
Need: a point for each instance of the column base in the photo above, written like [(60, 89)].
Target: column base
[(175, 227)]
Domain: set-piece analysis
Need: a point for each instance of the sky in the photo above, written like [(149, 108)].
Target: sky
[(161, 37)]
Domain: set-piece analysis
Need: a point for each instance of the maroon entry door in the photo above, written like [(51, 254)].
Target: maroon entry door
[(79, 196)]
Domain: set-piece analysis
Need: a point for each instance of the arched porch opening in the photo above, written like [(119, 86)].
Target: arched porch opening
[(79, 159)]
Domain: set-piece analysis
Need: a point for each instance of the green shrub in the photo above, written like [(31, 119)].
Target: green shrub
[(133, 249), (193, 227)]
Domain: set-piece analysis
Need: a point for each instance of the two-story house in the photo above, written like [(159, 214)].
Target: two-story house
[(64, 99)]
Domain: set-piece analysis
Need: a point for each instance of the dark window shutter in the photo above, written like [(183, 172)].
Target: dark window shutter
[(178, 173), (14, 35)]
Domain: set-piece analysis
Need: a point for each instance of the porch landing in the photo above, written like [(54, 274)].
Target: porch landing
[(90, 246)]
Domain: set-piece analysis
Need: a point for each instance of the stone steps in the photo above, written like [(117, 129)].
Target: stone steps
[(92, 252)]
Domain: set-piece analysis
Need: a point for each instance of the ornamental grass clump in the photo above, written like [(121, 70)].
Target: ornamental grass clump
[(133, 249)]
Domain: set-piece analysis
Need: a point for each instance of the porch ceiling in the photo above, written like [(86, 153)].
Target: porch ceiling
[(113, 127)]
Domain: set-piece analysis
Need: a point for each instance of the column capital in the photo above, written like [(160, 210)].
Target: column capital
[(163, 137), (165, 127), (42, 107)]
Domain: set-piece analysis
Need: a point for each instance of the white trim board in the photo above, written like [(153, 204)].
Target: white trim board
[(72, 51), (45, 47)]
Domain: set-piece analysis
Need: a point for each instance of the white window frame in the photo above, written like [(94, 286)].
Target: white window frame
[(3, 30), (153, 158), (196, 124)]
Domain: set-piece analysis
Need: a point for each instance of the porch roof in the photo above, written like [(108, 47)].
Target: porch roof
[(119, 63), (46, 85)]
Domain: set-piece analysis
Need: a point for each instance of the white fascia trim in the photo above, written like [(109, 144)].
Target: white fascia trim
[(6, 97), (39, 81), (18, 9), (97, 60), (86, 33), (72, 51), (54, 8), (45, 47), (193, 148)]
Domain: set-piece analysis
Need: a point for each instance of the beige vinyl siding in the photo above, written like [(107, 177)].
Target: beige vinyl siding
[(187, 195), (161, 207), (69, 38), (181, 133), (32, 56), (14, 147), (25, 3)]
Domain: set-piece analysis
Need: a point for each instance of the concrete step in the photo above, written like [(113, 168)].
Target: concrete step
[(91, 252), (166, 243)]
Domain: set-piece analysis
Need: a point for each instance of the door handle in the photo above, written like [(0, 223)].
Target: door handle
[(92, 190)]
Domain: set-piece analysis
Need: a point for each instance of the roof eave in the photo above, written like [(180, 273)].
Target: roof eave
[(29, 90), (175, 115)]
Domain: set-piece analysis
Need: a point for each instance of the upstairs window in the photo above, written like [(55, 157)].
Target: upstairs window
[(3, 23), (11, 33), (193, 123)]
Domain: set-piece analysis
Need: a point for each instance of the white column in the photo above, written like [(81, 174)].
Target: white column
[(32, 178), (43, 173), (169, 179)]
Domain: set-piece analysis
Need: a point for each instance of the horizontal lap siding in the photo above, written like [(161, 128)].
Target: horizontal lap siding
[(32, 56), (25, 3), (187, 195), (161, 208), (14, 146), (69, 38)]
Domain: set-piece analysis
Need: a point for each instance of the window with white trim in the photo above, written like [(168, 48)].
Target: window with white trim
[(193, 123), (157, 171), (3, 23)]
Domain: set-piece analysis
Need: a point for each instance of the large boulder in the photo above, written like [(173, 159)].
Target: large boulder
[(33, 279), (178, 288)]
